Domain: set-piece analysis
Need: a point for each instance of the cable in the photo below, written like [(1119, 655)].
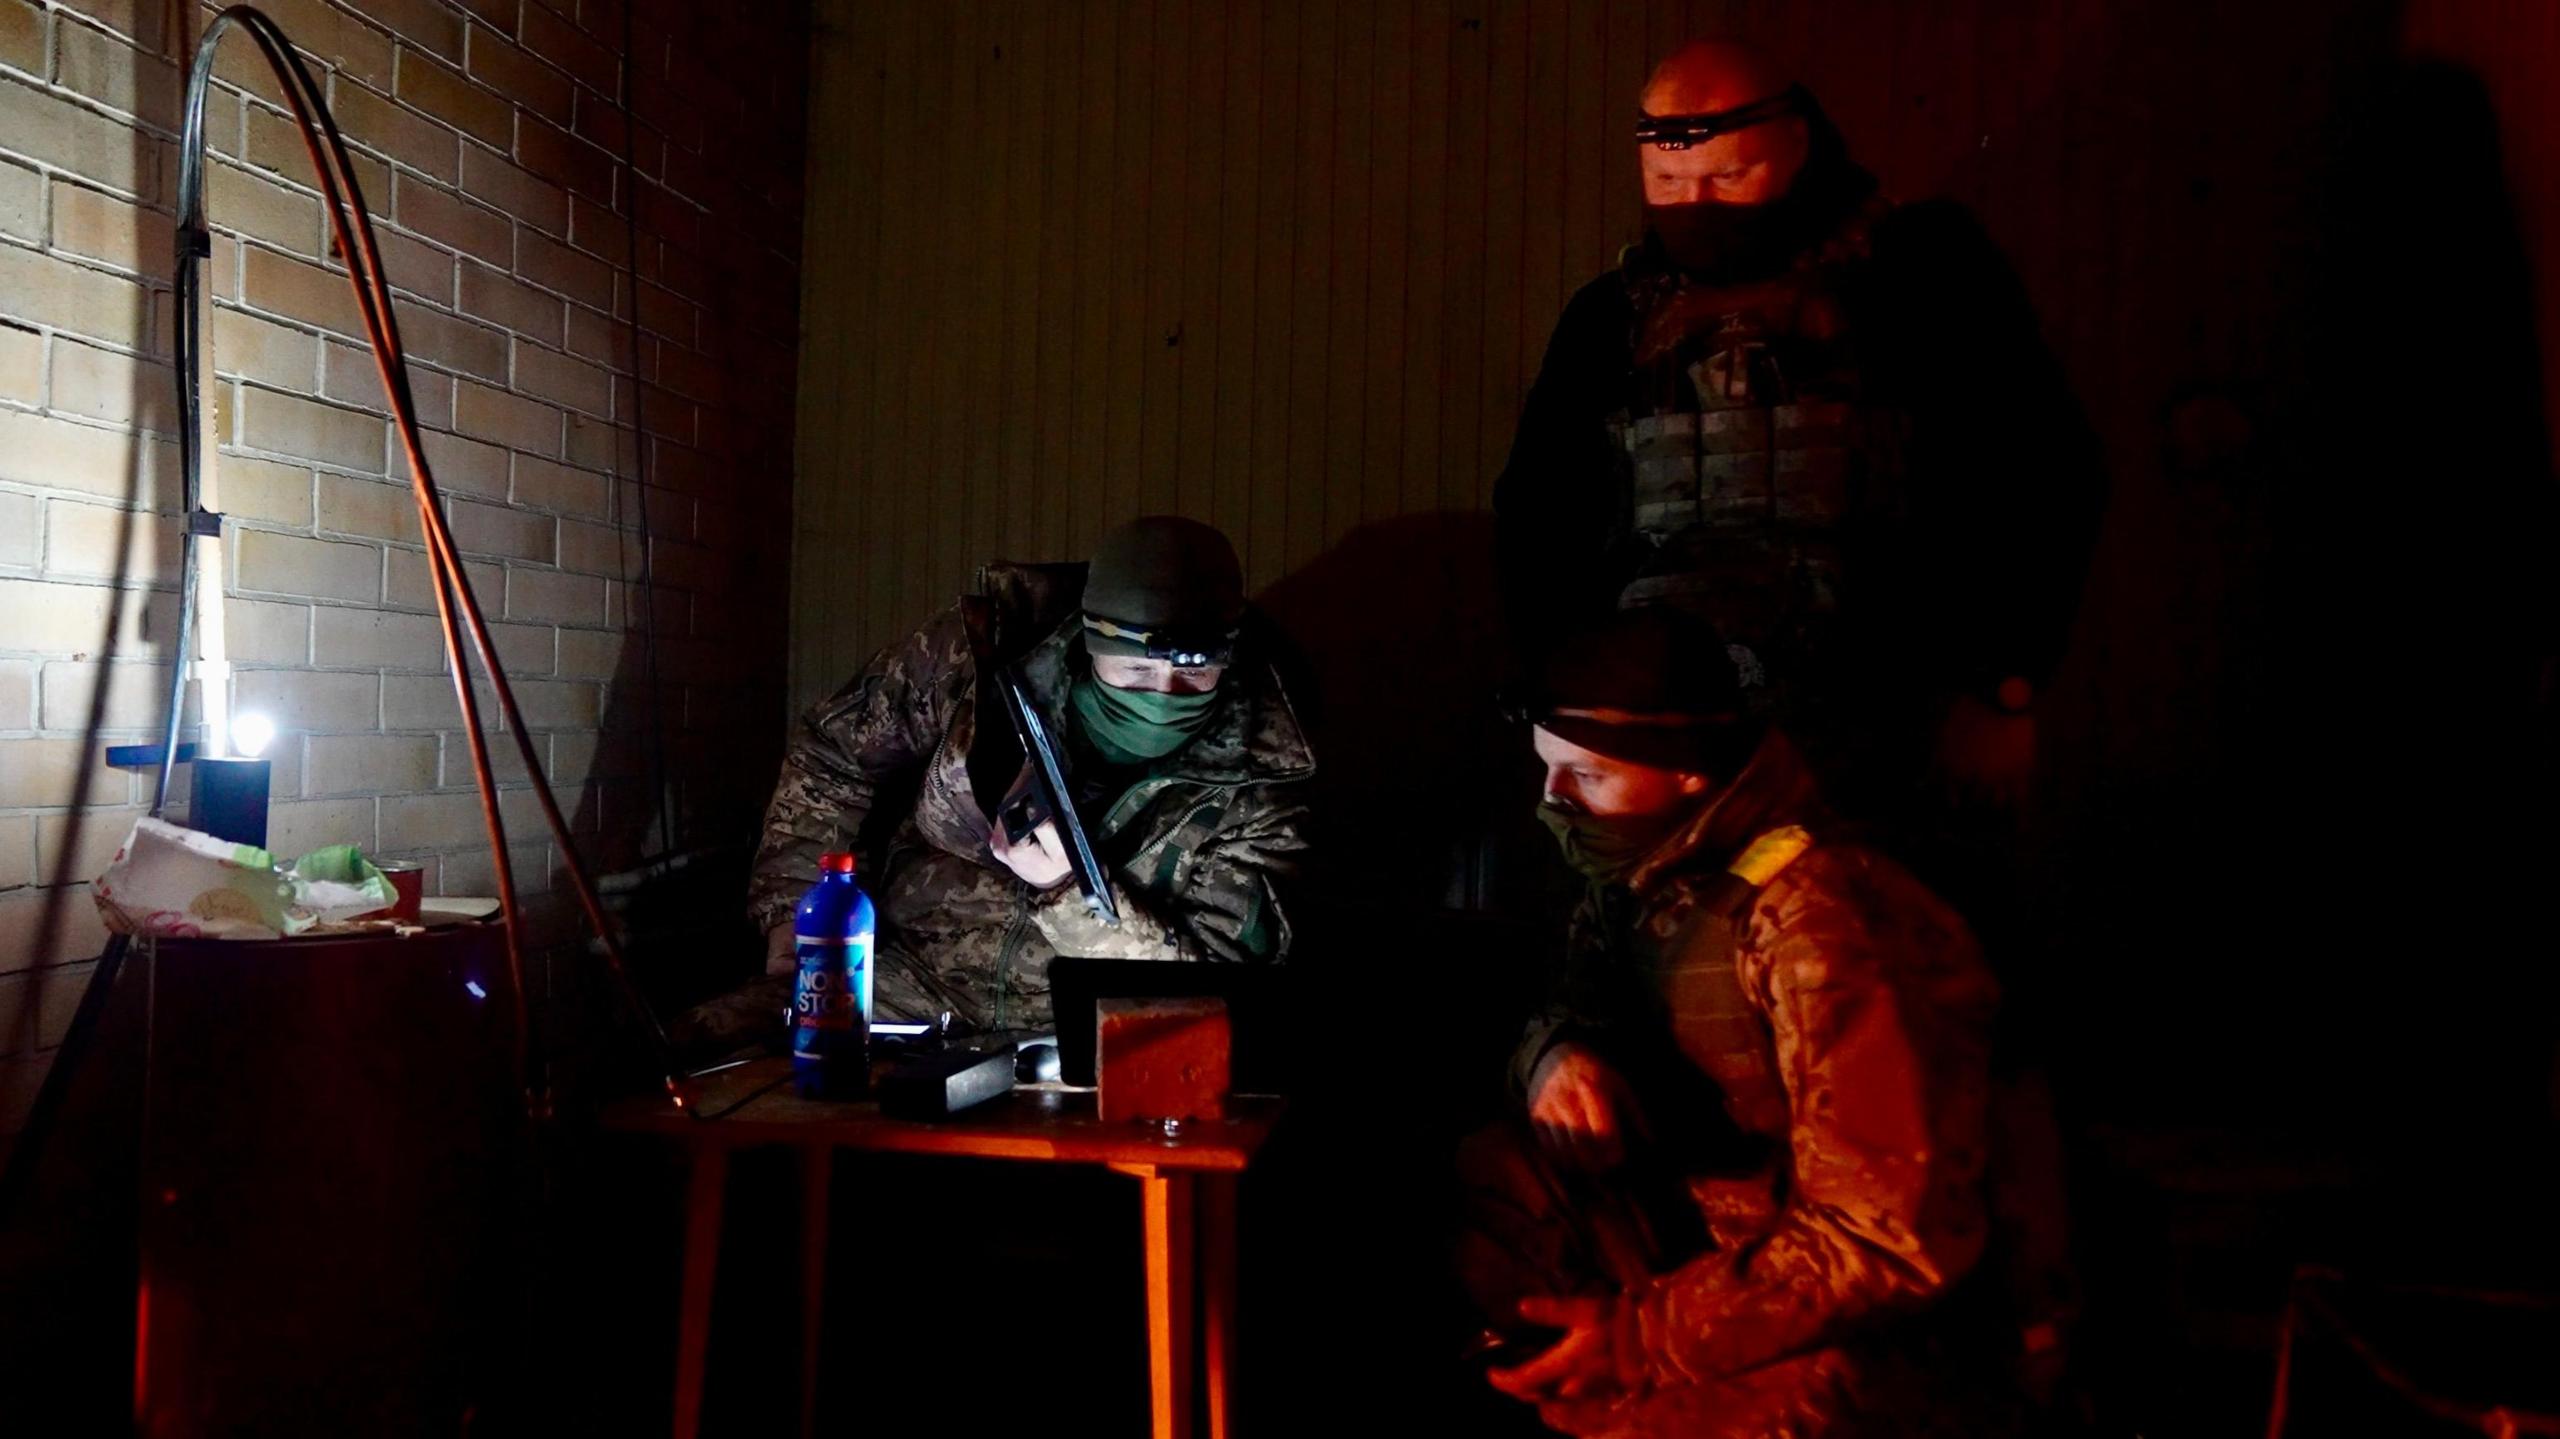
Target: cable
[(640, 460), (351, 225)]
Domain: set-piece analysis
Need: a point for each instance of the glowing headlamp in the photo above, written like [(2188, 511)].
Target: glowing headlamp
[(1186, 652), (1679, 132)]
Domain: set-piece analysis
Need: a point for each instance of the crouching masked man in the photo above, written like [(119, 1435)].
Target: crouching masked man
[(1751, 1170), (1184, 755)]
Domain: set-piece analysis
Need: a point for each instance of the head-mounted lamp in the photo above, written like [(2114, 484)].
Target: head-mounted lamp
[(1679, 132), (1185, 651)]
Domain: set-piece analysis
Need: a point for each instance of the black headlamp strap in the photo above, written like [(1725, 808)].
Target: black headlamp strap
[(1679, 132), (1159, 645)]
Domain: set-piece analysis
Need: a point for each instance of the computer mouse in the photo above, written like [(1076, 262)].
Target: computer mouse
[(1036, 1063)]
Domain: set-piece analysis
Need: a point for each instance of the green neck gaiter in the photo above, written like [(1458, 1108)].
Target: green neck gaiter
[(1604, 850), (1134, 726)]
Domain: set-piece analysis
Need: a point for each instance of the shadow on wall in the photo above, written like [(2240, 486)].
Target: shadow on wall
[(71, 1239), (2415, 600), (1437, 897), (2316, 643), (2355, 577), (1416, 769), (2326, 934), (667, 809)]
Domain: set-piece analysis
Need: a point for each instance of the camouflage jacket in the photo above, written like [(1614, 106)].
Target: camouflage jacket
[(1201, 848), (1869, 1008)]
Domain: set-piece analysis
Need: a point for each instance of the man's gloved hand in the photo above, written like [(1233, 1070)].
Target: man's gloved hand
[(781, 950), (1040, 863), (1584, 1364), (1582, 1109)]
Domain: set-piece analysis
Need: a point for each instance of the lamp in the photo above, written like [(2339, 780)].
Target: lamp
[(227, 797)]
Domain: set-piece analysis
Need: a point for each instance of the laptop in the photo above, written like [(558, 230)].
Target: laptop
[(1260, 1006)]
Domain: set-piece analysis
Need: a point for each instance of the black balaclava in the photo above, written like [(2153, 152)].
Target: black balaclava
[(1714, 240)]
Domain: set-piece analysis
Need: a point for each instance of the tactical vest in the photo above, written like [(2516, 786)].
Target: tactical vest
[(1693, 943), (1754, 453)]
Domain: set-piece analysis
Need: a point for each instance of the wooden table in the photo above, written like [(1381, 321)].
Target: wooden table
[(1186, 1184)]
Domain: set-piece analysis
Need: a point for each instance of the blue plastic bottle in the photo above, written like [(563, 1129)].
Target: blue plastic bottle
[(831, 1011)]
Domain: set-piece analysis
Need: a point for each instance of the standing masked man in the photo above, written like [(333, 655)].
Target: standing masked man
[(1185, 756), (1826, 424)]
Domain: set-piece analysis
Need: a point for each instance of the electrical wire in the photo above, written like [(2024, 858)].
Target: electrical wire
[(640, 455), (457, 606)]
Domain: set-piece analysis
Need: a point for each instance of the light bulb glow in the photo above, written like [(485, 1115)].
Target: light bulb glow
[(251, 733)]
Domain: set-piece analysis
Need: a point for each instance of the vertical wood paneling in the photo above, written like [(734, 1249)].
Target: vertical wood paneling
[(1163, 254), (1391, 200), (1196, 361), (1019, 328), (987, 224), (1284, 151), (1127, 337), (1505, 203), (1061, 183), (1628, 56), (1427, 258), (1542, 188), (1312, 318), (1240, 247), (1587, 136), (897, 510), (957, 309), (1463, 297), (1349, 272), (1096, 201)]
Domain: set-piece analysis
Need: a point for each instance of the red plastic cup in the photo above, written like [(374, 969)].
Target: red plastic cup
[(408, 881)]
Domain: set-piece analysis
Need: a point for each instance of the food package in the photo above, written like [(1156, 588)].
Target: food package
[(338, 883), (178, 883)]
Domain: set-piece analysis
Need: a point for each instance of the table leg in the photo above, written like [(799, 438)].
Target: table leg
[(1172, 1293), (817, 1172), (1218, 1297), (703, 1196)]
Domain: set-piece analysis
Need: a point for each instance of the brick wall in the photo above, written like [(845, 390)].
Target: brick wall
[(584, 337)]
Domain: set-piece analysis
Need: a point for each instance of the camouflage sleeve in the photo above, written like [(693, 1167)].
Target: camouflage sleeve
[(1882, 1035), (1224, 900), (882, 727)]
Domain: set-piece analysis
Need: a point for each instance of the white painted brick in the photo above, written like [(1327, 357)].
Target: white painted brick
[(368, 764), (297, 827), (311, 701), (320, 569)]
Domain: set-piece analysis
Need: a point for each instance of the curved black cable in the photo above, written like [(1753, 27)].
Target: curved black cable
[(353, 238), (640, 456)]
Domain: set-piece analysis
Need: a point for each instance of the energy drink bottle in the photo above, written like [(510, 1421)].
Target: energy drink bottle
[(831, 1010)]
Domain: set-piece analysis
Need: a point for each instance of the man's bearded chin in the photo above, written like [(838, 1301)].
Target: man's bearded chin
[(1731, 242)]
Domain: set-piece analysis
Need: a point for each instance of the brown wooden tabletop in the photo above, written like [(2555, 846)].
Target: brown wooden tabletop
[(1044, 1122)]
